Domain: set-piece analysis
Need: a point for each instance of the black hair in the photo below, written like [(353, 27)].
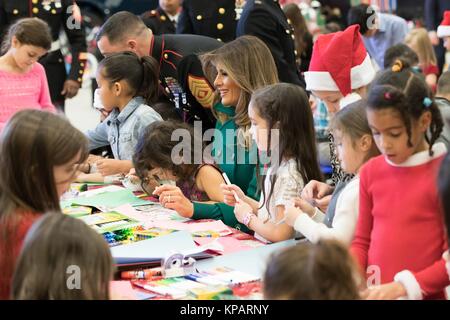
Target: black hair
[(407, 93), (286, 107), (361, 16), (119, 25), (141, 74), (444, 191), (400, 52), (157, 144), (443, 85)]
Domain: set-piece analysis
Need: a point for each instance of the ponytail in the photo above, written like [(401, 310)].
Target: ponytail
[(150, 79), (141, 74)]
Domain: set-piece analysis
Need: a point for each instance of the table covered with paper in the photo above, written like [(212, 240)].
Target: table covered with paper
[(225, 263)]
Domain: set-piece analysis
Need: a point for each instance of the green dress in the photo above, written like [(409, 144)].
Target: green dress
[(226, 152)]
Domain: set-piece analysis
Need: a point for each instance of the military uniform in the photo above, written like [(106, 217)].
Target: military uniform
[(158, 21), (266, 20), (212, 18), (58, 14), (181, 75)]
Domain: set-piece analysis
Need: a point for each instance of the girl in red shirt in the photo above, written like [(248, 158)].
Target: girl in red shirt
[(39, 157), (400, 235)]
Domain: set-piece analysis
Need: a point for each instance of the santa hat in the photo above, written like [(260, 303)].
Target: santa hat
[(444, 28), (339, 62)]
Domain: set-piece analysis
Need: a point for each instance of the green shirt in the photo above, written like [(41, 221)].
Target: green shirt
[(226, 152)]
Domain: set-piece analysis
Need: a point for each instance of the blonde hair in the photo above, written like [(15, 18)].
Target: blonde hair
[(423, 46), (249, 63)]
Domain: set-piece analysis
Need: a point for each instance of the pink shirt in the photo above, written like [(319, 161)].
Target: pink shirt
[(23, 91)]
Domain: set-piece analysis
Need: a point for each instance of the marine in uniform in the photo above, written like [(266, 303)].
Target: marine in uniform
[(180, 72), (160, 21), (182, 77), (266, 20), (212, 18), (59, 14)]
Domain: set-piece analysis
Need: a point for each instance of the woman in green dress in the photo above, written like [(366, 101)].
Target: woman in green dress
[(239, 68)]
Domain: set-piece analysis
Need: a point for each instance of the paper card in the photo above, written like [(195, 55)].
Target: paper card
[(148, 217), (110, 200), (215, 226), (228, 244), (122, 290)]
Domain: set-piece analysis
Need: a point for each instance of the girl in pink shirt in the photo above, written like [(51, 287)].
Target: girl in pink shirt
[(23, 83)]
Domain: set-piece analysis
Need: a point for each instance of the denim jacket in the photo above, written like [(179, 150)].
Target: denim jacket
[(122, 130)]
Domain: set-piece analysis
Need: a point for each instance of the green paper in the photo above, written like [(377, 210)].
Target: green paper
[(108, 200)]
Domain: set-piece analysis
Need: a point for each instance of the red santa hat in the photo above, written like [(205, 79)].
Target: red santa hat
[(444, 28), (339, 62)]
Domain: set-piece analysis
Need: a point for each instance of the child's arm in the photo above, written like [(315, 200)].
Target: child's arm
[(108, 167), (267, 229), (90, 177), (209, 180), (44, 98), (344, 221), (431, 280), (98, 137), (361, 241)]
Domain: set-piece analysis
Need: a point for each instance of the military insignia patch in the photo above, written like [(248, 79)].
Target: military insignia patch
[(201, 90)]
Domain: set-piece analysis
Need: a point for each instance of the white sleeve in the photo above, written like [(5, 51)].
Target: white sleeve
[(344, 221)]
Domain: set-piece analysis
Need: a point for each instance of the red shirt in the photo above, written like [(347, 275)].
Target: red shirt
[(400, 225), (8, 261)]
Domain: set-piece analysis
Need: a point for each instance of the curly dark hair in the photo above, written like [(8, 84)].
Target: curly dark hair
[(406, 92)]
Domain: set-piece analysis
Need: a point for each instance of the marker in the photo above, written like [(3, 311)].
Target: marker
[(148, 274), (228, 182)]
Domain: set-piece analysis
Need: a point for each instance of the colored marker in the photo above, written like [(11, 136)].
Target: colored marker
[(228, 182)]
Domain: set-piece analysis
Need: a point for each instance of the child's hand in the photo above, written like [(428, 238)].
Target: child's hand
[(109, 167), (305, 206), (388, 291), (291, 214), (92, 158), (171, 197), (316, 190), (229, 191), (241, 209), (133, 176)]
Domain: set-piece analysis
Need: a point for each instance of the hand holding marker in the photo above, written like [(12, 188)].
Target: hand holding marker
[(228, 182)]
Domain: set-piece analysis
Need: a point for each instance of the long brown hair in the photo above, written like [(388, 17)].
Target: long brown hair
[(249, 63), (56, 247), (32, 143), (286, 107), (322, 271), (31, 31)]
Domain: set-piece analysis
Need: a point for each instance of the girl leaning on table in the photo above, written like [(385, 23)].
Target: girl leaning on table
[(282, 126), (174, 169), (39, 157), (127, 87)]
